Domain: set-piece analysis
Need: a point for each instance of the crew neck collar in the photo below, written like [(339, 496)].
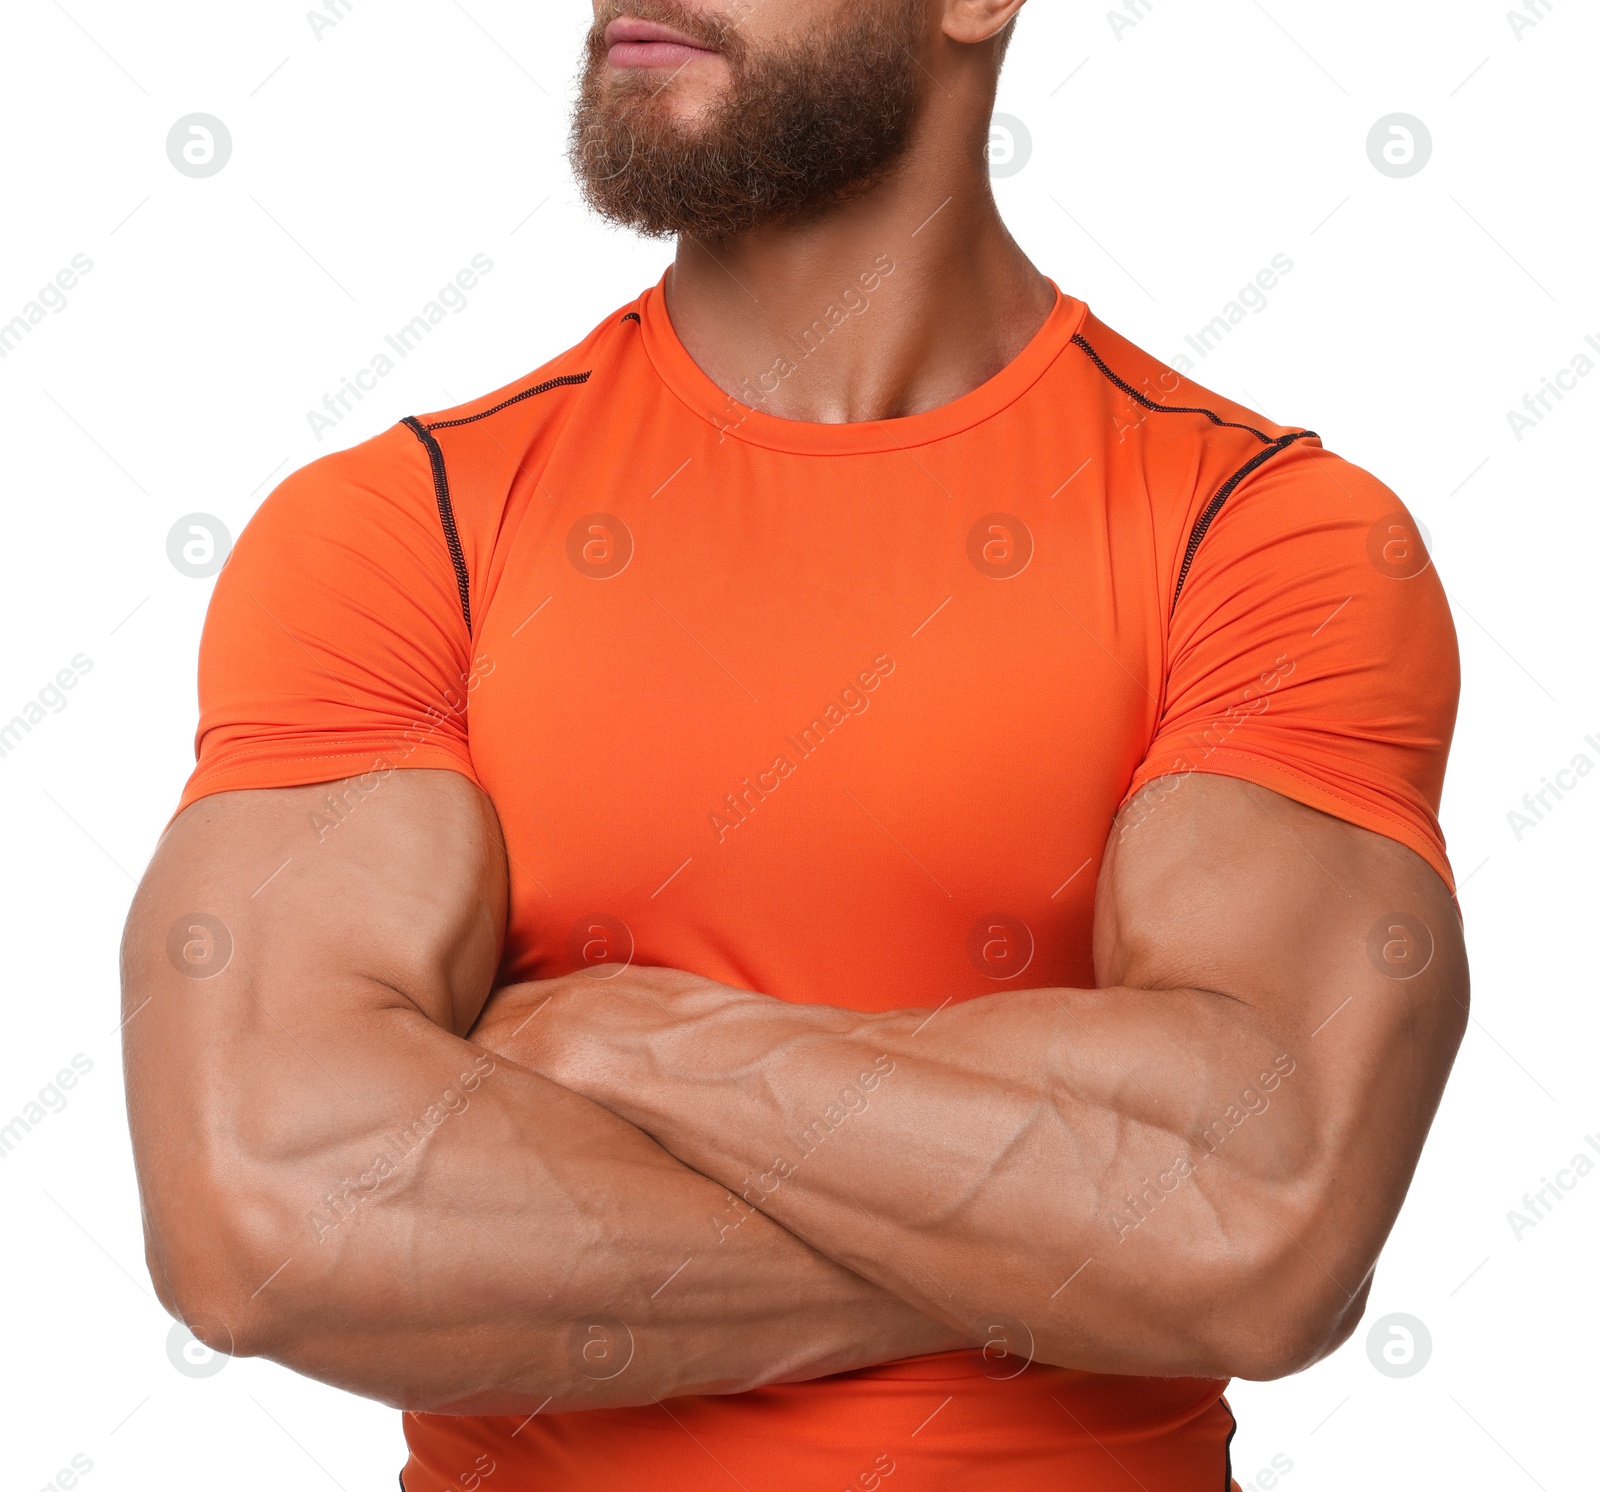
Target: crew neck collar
[(754, 426)]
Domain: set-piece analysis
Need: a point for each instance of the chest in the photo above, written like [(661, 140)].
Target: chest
[(828, 728)]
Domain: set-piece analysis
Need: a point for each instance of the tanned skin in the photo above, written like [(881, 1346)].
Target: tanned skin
[(463, 1282), (1187, 1171), (965, 299), (586, 1140)]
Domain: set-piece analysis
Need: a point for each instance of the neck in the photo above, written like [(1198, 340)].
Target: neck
[(891, 304)]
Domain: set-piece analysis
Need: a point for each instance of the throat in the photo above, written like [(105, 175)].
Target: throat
[(864, 332)]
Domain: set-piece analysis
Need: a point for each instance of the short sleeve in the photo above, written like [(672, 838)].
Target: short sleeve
[(1311, 650), (335, 643)]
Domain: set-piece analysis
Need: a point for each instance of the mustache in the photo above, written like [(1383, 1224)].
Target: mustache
[(720, 33)]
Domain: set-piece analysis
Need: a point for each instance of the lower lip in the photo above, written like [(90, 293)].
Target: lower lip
[(653, 54)]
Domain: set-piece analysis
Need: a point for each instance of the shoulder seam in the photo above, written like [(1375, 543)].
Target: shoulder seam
[(1082, 342), (441, 478), (447, 517), (1223, 493), (1270, 448), (562, 381)]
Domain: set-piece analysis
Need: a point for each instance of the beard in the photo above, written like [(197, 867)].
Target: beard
[(797, 131)]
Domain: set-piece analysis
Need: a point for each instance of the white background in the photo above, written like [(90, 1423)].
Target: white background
[(1168, 165)]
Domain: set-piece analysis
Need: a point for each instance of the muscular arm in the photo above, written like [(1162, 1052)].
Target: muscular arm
[(333, 1177), (1190, 1170)]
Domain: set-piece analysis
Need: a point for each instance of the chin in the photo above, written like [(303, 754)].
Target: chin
[(706, 78)]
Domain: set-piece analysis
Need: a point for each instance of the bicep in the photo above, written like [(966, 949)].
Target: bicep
[(279, 900), (1219, 882), (271, 898), (268, 957), (1333, 950), (1283, 848)]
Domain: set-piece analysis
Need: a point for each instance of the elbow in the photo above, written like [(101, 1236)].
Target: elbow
[(1281, 1322), (1272, 1344), (213, 1269)]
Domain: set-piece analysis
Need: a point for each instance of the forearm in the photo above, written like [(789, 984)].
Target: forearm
[(1046, 1163), (1187, 1171), (446, 1231)]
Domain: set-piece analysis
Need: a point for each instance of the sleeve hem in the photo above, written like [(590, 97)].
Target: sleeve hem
[(1316, 794), (304, 771)]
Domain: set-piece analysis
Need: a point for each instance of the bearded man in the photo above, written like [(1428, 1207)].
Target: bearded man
[(842, 883)]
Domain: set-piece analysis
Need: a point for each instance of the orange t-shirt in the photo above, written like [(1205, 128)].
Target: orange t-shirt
[(841, 713)]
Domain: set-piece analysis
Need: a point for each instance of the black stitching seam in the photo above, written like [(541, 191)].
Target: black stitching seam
[(633, 316), (1227, 1451), (441, 479), (1133, 393), (1226, 490), (1223, 494), (447, 517), (543, 388)]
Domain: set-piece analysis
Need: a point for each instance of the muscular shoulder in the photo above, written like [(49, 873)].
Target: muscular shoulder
[(1205, 464), (501, 432), (487, 458), (1183, 435), (395, 476), (1309, 646)]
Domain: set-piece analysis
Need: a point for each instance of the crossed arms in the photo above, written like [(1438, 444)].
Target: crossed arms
[(360, 1160)]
